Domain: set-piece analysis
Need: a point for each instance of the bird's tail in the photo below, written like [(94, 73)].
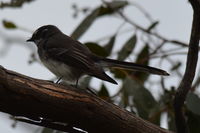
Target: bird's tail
[(105, 77), (105, 62)]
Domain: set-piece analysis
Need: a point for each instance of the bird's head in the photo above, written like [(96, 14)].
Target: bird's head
[(43, 33)]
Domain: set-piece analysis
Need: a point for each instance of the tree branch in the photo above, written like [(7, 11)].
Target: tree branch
[(151, 33), (50, 124), (42, 100), (188, 77)]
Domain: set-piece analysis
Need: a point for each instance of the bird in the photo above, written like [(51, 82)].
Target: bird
[(69, 59)]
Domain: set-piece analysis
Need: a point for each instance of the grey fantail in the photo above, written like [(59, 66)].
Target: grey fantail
[(70, 59)]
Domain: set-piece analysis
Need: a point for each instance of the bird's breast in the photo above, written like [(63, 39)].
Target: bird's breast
[(60, 70)]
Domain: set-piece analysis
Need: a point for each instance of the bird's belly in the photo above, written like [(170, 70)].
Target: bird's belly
[(60, 70)]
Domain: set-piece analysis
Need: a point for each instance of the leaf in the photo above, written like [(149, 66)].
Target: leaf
[(103, 93), (176, 66), (127, 48), (142, 58), (112, 7), (125, 97), (171, 121), (97, 49), (193, 122), (14, 3), (155, 115), (9, 24), (119, 73), (85, 24), (152, 26), (115, 5), (193, 103), (142, 98), (144, 102), (109, 46), (166, 101), (47, 130), (98, 12)]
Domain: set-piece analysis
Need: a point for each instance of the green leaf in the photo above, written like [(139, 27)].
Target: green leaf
[(125, 97), (115, 5), (171, 121), (14, 3), (85, 24), (144, 102), (119, 73), (142, 98), (193, 103), (97, 49), (166, 101), (127, 48), (176, 66), (47, 130), (109, 46), (142, 58), (155, 114), (152, 26), (9, 24), (103, 93), (193, 122), (112, 7), (98, 12)]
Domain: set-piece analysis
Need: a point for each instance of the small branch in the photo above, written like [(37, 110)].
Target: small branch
[(151, 33), (39, 100), (168, 54), (50, 124), (188, 77), (142, 10), (145, 30)]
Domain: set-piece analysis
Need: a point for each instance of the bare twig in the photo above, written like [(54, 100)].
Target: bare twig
[(142, 10), (151, 33), (121, 14), (168, 54)]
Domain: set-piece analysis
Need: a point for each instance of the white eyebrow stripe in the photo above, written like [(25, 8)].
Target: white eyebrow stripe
[(38, 30), (34, 33), (46, 29)]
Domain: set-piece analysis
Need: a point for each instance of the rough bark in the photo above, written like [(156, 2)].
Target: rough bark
[(57, 105)]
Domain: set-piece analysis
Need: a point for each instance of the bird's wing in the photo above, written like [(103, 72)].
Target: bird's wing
[(73, 58)]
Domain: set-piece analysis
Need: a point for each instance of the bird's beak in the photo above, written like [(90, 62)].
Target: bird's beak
[(30, 40)]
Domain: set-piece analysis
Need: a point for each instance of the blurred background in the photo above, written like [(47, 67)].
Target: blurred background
[(154, 33)]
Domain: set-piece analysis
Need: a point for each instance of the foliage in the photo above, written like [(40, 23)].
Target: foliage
[(9, 25), (14, 3), (135, 93)]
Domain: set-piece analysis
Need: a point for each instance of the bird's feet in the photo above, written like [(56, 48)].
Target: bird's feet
[(59, 79)]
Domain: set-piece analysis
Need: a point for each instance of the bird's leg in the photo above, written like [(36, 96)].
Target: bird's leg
[(87, 89), (76, 85), (58, 80)]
